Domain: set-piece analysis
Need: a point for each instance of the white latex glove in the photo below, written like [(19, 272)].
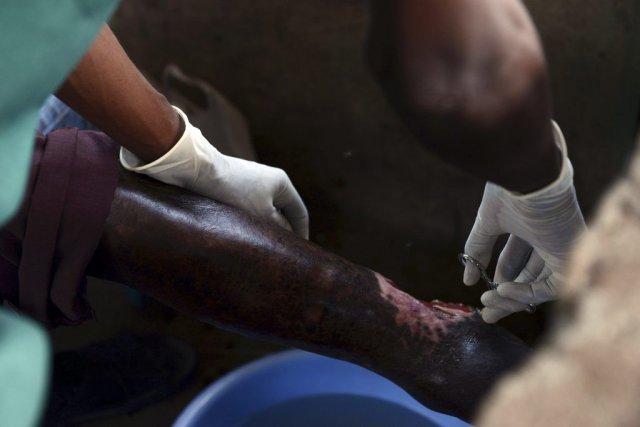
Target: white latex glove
[(193, 163), (543, 227)]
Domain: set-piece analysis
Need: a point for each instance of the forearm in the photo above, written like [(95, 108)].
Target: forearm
[(224, 267), (107, 89), (469, 78)]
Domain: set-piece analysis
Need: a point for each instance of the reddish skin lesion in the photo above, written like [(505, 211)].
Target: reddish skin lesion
[(453, 308), (432, 324)]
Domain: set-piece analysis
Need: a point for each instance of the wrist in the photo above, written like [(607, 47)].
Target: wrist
[(149, 132), (173, 131), (558, 174), (532, 170), (182, 163)]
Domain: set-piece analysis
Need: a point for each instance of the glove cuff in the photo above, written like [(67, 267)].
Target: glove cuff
[(564, 179), (180, 165), (131, 162)]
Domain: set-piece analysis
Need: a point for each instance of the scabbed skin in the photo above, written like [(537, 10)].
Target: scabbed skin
[(227, 268)]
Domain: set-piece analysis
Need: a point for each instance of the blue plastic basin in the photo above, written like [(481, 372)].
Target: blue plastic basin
[(296, 388)]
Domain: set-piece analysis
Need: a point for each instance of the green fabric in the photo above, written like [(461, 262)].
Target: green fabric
[(40, 42), (24, 371)]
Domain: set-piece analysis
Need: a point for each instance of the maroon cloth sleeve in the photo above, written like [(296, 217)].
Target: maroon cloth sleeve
[(47, 246)]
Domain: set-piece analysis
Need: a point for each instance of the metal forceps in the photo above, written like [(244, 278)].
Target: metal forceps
[(464, 259)]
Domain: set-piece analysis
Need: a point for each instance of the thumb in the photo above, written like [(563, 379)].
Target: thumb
[(479, 245), (290, 203)]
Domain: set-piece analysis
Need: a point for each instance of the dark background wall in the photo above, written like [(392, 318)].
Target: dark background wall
[(296, 70)]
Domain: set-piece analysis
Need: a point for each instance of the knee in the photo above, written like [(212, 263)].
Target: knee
[(483, 98), (479, 91)]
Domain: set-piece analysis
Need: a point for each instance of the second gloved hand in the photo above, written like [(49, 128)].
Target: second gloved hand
[(543, 227), (193, 163)]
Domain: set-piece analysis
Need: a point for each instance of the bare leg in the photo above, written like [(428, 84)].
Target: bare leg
[(470, 79), (224, 267)]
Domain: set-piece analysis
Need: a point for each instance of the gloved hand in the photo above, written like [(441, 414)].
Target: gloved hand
[(543, 227), (193, 163)]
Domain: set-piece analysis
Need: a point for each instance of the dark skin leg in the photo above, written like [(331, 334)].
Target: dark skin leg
[(227, 268)]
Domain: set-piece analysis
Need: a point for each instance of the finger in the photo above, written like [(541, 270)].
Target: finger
[(290, 203), (479, 245), (538, 292), (513, 259), (493, 299), (532, 270), (280, 220), (492, 315)]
